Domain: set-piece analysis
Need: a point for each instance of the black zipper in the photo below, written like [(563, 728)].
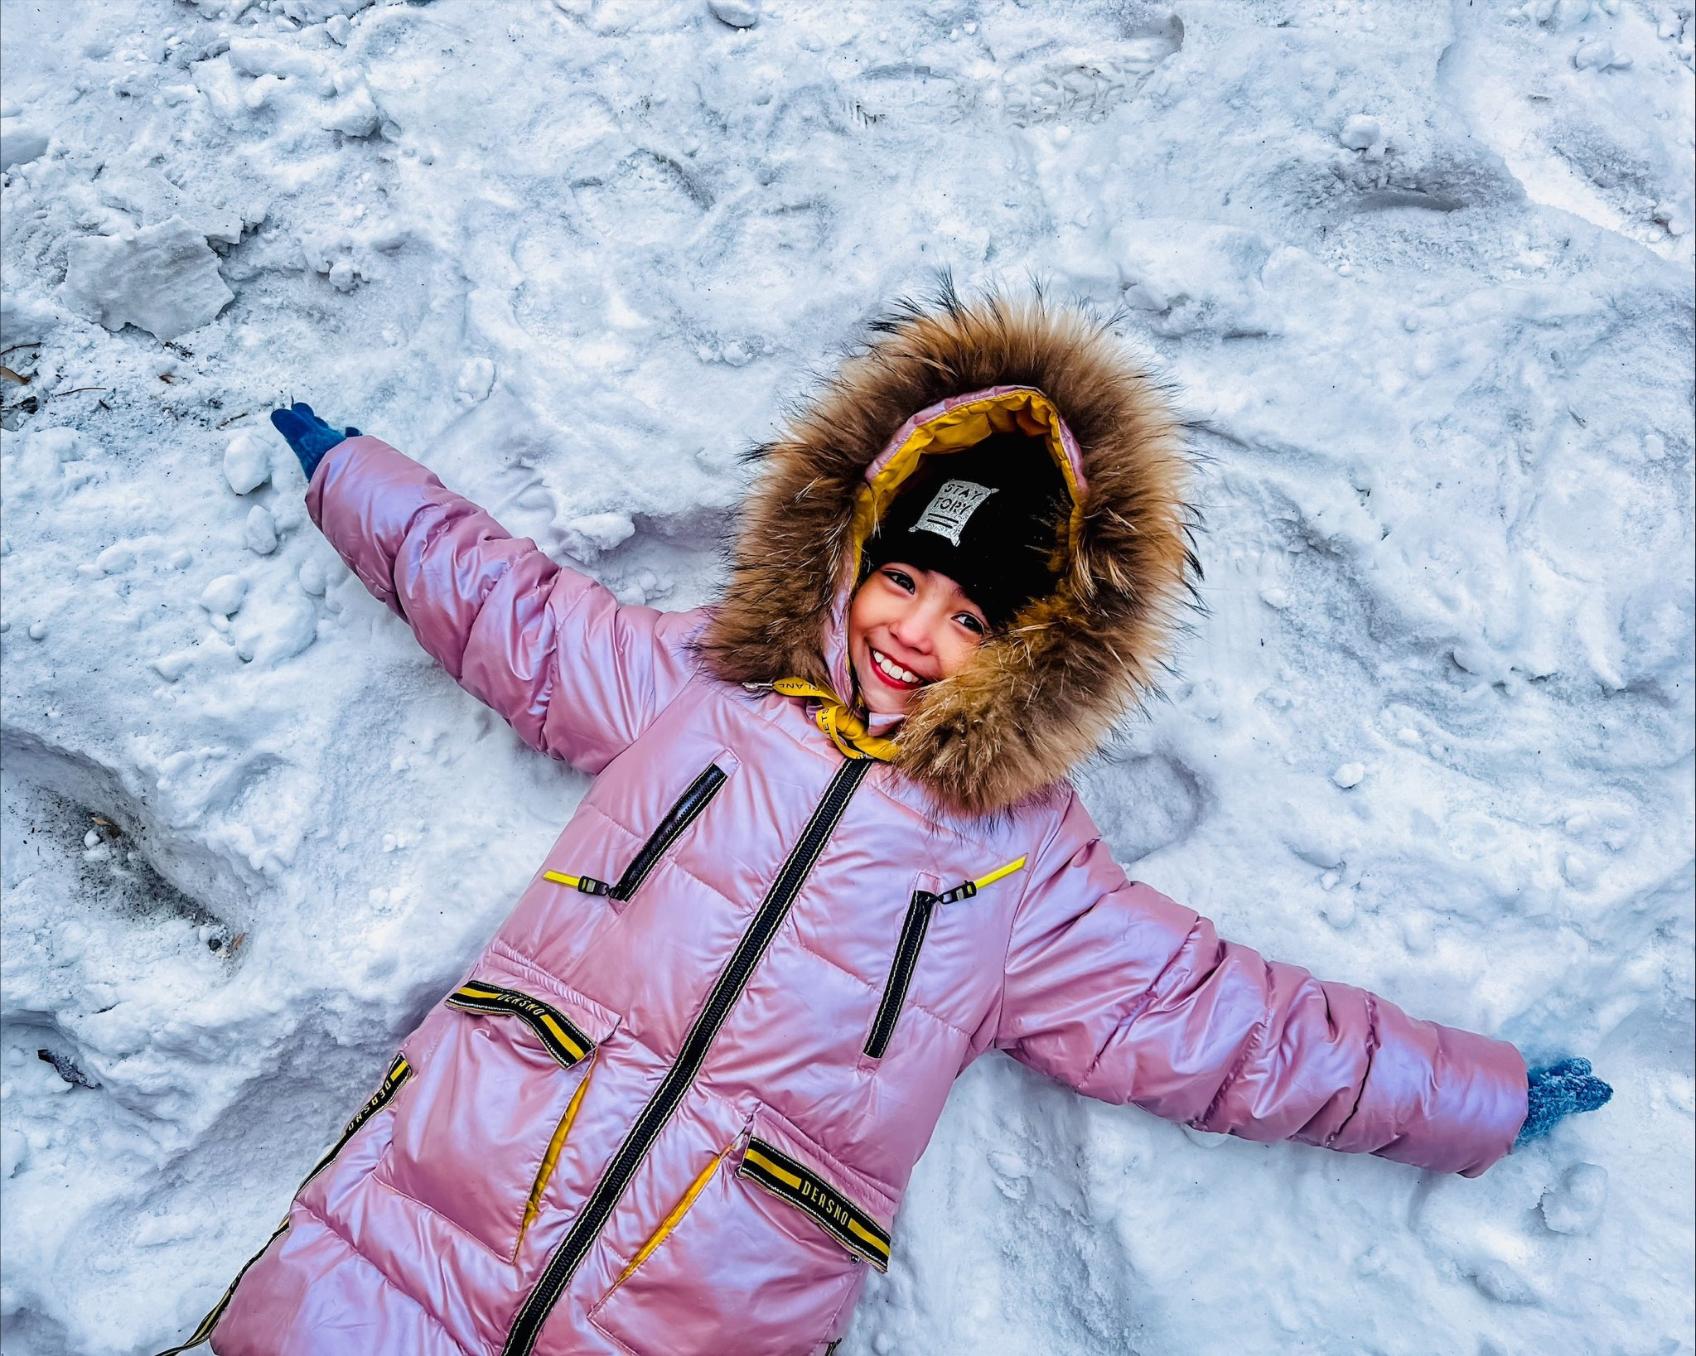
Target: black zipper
[(592, 1218), (900, 972), (677, 819)]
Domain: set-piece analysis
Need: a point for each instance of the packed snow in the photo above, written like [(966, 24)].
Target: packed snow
[(1422, 275)]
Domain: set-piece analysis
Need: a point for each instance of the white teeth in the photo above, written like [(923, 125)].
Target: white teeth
[(893, 669)]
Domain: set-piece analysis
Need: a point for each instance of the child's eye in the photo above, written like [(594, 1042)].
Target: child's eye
[(971, 622), (901, 580)]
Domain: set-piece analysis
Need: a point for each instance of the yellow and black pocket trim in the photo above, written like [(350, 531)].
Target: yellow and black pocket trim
[(398, 1073), (841, 1218), (564, 1041)]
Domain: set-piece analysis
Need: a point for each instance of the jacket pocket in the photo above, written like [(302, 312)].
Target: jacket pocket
[(682, 814), (493, 1101), (761, 1253), (920, 910)]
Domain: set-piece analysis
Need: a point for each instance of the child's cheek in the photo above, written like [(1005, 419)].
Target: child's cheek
[(856, 607), (857, 610)]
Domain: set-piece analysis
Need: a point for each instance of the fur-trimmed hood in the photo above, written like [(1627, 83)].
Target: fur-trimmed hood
[(1040, 695)]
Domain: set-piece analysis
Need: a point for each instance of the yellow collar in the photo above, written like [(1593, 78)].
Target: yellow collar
[(834, 716)]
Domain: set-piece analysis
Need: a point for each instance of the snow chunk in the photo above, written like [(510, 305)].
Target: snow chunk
[(1349, 774), (736, 13), (20, 142), (163, 279), (1361, 133), (24, 320), (476, 380), (354, 114), (115, 559), (275, 630), (588, 536), (1596, 54), (146, 195), (247, 462), (172, 666), (266, 56), (224, 595), (260, 530), (1674, 216)]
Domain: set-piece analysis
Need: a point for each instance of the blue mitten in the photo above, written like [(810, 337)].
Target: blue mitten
[(1560, 1089), (308, 436)]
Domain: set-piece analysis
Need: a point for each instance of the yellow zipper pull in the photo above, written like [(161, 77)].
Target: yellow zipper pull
[(587, 884), (966, 889)]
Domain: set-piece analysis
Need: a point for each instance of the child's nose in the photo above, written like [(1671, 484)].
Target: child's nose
[(914, 630)]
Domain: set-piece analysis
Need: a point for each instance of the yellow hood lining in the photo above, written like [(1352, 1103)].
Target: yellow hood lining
[(1024, 410)]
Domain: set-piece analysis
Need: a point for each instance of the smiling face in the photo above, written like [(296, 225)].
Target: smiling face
[(908, 627)]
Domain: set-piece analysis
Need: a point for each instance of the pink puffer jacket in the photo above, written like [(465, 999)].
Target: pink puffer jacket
[(673, 1106)]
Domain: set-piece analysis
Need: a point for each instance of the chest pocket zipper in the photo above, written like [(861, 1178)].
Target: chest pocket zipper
[(907, 948), (681, 815)]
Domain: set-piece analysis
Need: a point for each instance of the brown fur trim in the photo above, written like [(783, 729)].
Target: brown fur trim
[(1038, 697)]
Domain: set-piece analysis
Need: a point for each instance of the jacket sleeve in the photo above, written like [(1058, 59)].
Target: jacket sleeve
[(1128, 997), (575, 673)]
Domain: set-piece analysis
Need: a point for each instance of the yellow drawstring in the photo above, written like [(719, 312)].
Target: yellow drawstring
[(846, 730)]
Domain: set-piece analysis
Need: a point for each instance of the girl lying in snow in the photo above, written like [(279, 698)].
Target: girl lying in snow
[(829, 858)]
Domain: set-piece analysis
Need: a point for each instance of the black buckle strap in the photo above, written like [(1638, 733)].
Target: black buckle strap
[(846, 1222)]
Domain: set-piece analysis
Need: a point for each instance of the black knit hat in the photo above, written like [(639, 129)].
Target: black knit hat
[(988, 517)]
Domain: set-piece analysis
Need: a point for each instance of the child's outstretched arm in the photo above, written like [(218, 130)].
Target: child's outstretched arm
[(575, 673), (1114, 989)]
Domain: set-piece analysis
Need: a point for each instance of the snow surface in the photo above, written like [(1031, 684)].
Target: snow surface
[(1424, 275)]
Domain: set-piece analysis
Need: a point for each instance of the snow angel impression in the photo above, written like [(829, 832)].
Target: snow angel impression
[(830, 857)]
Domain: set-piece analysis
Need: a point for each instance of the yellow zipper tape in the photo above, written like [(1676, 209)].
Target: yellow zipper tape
[(672, 1220), (550, 1160)]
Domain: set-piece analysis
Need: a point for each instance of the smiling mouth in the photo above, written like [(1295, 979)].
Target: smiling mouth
[(899, 678)]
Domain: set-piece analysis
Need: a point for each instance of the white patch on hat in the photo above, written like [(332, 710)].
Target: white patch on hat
[(951, 507)]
